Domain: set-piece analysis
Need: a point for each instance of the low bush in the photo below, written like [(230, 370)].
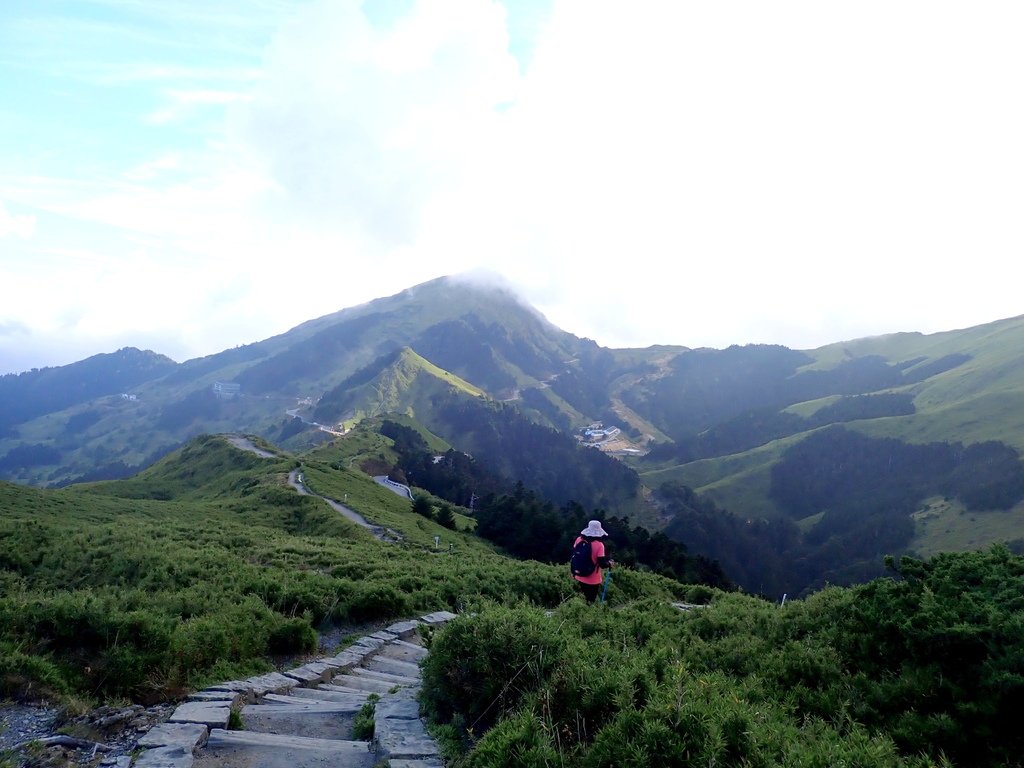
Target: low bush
[(923, 670), (363, 725), (112, 595)]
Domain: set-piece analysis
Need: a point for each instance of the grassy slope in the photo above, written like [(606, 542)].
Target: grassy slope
[(979, 400), (657, 358), (127, 430), (209, 562), (576, 418), (738, 482), (407, 387), (983, 399)]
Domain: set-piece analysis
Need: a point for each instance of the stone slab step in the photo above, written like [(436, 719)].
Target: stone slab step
[(336, 688), (187, 736), (311, 674), (232, 698), (357, 698), (366, 645), (212, 714), (688, 606), (402, 652), (407, 644), (404, 629), (341, 662), (255, 687), (361, 684), (438, 618), (244, 749), (393, 667), (393, 708), (165, 757), (384, 677), (403, 740), (424, 762), (311, 722), (276, 703), (221, 739), (274, 682), (346, 658)]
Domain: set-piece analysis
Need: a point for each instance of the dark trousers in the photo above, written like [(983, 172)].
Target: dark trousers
[(590, 591)]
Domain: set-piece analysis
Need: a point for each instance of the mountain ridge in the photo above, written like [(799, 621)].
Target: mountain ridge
[(403, 382), (723, 422)]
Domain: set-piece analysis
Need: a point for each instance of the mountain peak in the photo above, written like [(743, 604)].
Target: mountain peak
[(470, 289)]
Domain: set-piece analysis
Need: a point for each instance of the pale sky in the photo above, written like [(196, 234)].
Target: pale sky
[(186, 176)]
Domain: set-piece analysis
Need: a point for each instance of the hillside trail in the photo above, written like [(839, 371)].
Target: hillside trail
[(243, 443), (402, 490), (301, 718), (298, 482), (305, 717)]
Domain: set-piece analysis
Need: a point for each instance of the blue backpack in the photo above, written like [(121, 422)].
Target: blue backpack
[(582, 562)]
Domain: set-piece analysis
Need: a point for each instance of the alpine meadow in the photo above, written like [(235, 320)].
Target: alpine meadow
[(817, 552)]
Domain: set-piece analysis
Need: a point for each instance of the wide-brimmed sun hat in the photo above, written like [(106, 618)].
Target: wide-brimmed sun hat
[(594, 530)]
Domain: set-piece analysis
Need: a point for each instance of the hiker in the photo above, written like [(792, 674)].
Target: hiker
[(589, 557)]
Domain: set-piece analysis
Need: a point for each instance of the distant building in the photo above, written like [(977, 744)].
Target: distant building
[(594, 434), (226, 389)]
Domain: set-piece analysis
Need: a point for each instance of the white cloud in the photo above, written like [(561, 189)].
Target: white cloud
[(760, 172), (16, 225), (702, 174), (363, 125), (183, 103)]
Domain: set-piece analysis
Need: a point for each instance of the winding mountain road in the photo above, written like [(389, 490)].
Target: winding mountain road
[(297, 481), (402, 490), (243, 443)]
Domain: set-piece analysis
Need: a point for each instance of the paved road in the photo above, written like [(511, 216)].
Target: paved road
[(296, 481), (245, 444), (391, 485)]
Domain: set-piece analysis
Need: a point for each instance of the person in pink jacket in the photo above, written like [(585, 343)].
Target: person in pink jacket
[(589, 558)]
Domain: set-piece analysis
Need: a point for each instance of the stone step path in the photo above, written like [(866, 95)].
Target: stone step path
[(303, 718)]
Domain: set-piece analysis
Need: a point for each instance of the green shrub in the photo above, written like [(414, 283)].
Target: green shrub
[(362, 727), (644, 686), (20, 673), (292, 636), (699, 594), (377, 601), (199, 643), (482, 667)]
